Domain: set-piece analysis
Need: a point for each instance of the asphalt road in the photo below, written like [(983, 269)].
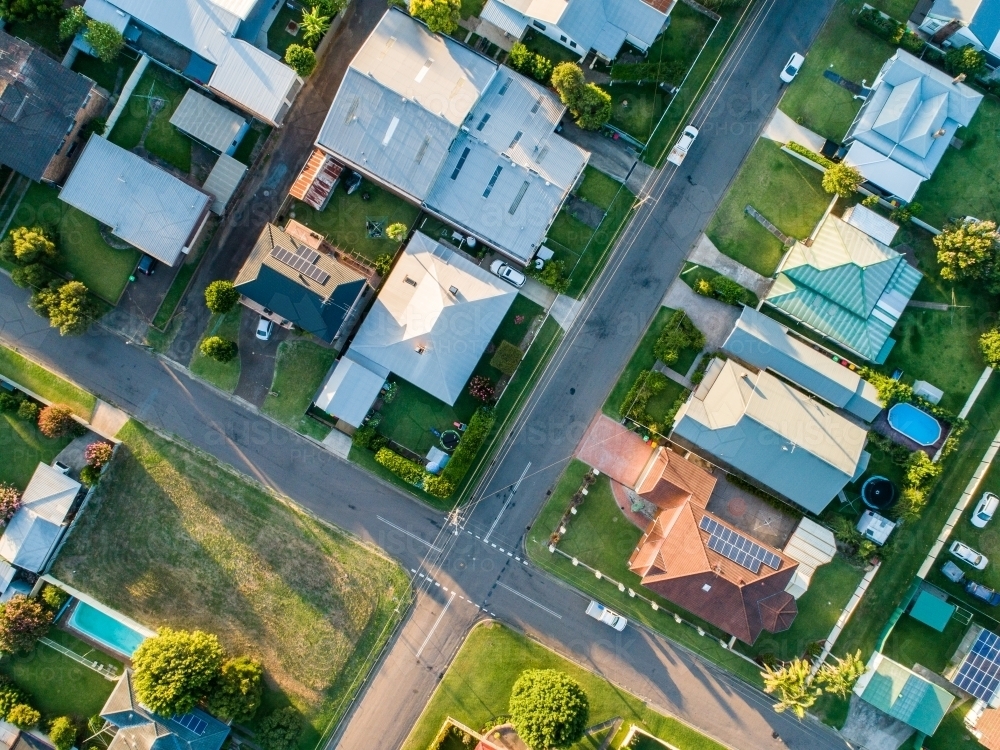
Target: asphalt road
[(461, 578)]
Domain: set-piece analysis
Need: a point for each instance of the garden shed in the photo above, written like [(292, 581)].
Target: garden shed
[(210, 123), (933, 611), (222, 182)]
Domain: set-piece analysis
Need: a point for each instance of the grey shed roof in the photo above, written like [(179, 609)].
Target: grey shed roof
[(255, 81), (351, 389), (773, 433), (223, 180), (143, 204), (35, 529), (207, 121), (766, 344)]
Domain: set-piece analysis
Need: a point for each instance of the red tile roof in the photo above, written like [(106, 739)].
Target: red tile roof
[(988, 727), (661, 5), (669, 478)]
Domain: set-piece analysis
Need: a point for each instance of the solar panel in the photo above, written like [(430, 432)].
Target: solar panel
[(301, 264), (195, 724), (309, 254), (980, 672), (736, 547)]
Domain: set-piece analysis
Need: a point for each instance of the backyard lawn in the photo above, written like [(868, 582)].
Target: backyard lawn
[(787, 192), (598, 188), (162, 139), (345, 220), (278, 40), (637, 108), (22, 447), (110, 76), (476, 690), (224, 375), (216, 553), (300, 369), (83, 253), (46, 384), (550, 48), (472, 8)]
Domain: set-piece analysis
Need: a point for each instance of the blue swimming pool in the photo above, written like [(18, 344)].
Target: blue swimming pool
[(915, 424), (105, 629)]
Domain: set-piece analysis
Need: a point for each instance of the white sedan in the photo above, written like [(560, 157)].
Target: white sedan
[(985, 509), (792, 67), (965, 553), (508, 273)]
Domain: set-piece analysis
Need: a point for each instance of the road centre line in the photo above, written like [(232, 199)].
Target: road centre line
[(434, 626), (529, 600), (409, 534)]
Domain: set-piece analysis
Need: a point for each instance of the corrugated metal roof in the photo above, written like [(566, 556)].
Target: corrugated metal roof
[(239, 8), (255, 80), (101, 10), (144, 205), (350, 391), (880, 170), (222, 182), (207, 121), (505, 18), (895, 690), (871, 223), (35, 528)]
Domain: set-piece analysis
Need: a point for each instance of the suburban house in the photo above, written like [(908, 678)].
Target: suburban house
[(758, 426), (469, 141), (141, 729), (32, 534), (144, 205), (763, 343), (583, 25), (295, 278), (903, 695), (906, 123), (43, 107), (847, 286), (12, 738), (956, 23), (211, 44), (431, 322)]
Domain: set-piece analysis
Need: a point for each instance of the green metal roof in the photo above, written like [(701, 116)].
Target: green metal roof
[(898, 692), (932, 611)]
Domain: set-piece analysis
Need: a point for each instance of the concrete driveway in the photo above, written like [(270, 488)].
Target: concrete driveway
[(257, 359)]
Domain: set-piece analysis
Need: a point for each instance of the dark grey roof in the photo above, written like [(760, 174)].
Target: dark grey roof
[(39, 101)]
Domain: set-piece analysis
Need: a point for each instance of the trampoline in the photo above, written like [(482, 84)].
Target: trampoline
[(878, 493)]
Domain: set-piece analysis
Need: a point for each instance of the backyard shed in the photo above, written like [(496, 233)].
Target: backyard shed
[(874, 225), (933, 611), (351, 389), (222, 182), (33, 532), (209, 122), (811, 545)]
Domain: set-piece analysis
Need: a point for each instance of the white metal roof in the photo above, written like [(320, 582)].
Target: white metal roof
[(351, 389), (34, 530), (871, 223), (255, 80), (883, 171), (207, 121), (101, 10), (239, 8), (222, 182)]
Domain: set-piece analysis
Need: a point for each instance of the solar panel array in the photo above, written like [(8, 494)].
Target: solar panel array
[(308, 253), (736, 547), (301, 264), (980, 672), (193, 723)]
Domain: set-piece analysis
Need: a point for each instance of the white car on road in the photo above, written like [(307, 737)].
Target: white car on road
[(599, 612), (792, 67), (508, 273), (683, 145), (985, 509), (965, 553)]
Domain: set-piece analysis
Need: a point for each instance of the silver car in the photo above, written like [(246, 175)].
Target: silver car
[(508, 273), (966, 554)]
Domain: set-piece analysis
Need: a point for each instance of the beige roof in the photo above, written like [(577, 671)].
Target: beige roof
[(810, 546)]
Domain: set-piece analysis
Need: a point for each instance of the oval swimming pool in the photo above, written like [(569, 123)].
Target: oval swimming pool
[(105, 629), (917, 425)]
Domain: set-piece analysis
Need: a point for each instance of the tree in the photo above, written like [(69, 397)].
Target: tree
[(10, 501), (73, 22), (593, 108), (62, 733), (792, 683), (32, 276), (989, 343), (219, 349), (98, 453), (29, 10), (280, 730), (967, 249), (481, 388), (176, 669), (238, 690), (441, 16), (67, 305), (55, 421), (568, 81), (383, 264), (54, 597), (10, 696), (301, 59), (23, 716), (839, 679), (842, 180), (331, 7), (548, 709), (221, 297), (30, 245), (106, 40), (397, 231), (314, 25), (22, 622), (967, 60)]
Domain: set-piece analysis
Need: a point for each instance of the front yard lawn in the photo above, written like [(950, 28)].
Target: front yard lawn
[(787, 192), (83, 253), (163, 139), (598, 188), (300, 369), (585, 265), (345, 220), (476, 690), (216, 553), (22, 447), (637, 108), (570, 232), (224, 375), (45, 383)]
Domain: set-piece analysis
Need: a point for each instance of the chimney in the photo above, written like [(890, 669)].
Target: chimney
[(959, 78)]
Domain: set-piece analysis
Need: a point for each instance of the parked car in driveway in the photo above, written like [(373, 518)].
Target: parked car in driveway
[(985, 593), (147, 265), (264, 328), (792, 67), (599, 612), (985, 509), (965, 553), (508, 273)]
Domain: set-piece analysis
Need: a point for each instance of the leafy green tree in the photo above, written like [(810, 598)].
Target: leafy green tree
[(62, 732), (314, 26), (29, 10), (840, 679), (67, 305), (238, 690), (219, 349), (842, 179), (301, 59), (569, 83), (396, 231), (10, 696), (221, 297), (54, 597), (593, 108), (967, 60), (176, 669), (106, 40), (541, 69), (55, 420), (967, 249), (331, 7), (10, 501), (920, 470), (441, 16), (29, 245), (383, 264), (280, 730), (73, 22), (23, 716), (911, 503), (520, 58), (548, 709), (989, 343), (791, 682), (22, 622), (31, 276)]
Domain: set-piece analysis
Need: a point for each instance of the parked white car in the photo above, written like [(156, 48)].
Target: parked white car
[(508, 273), (965, 553), (792, 67), (264, 328), (683, 145), (985, 509), (599, 612)]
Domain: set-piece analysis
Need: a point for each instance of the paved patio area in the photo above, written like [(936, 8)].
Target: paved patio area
[(614, 158), (613, 450)]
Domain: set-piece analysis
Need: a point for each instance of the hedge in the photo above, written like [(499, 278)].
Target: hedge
[(891, 30), (809, 154), (507, 358), (678, 333), (472, 440), (647, 384), (409, 471), (660, 72)]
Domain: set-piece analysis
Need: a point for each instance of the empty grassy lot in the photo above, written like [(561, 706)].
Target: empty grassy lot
[(299, 373), (476, 689), (45, 383), (598, 188), (786, 191), (216, 553), (163, 139), (224, 375)]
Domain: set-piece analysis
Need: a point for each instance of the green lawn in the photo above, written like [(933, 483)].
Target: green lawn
[(598, 188), (278, 40), (844, 48), (964, 183), (163, 139), (550, 48), (694, 273), (570, 232), (300, 369), (44, 32), (586, 265), (637, 108), (344, 222), (663, 402), (911, 642), (476, 689), (46, 384), (244, 151), (110, 76), (83, 253), (22, 447), (219, 554), (472, 8), (787, 192), (183, 277), (224, 375)]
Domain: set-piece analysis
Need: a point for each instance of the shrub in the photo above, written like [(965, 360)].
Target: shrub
[(300, 59), (62, 733), (314, 26), (548, 708), (647, 384), (890, 391), (468, 447), (221, 296), (219, 349), (481, 388), (54, 597), (842, 179), (10, 401), (409, 471), (541, 69), (704, 288), (910, 504), (29, 10), (72, 23), (552, 274), (363, 436), (23, 716), (67, 305), (383, 264), (871, 201), (731, 293), (10, 696), (22, 622), (659, 72), (90, 475), (55, 421), (678, 333), (98, 454), (438, 486), (507, 358), (31, 276), (809, 154), (568, 81), (238, 690), (967, 60), (396, 231), (280, 730), (989, 344), (105, 39), (29, 245), (176, 669), (10, 502), (28, 411), (593, 107), (968, 250), (441, 16), (920, 470)]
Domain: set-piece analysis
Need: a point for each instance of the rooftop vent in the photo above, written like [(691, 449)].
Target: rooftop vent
[(453, 290), (409, 281)]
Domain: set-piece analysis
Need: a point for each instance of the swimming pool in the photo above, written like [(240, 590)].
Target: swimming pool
[(105, 629), (915, 424)]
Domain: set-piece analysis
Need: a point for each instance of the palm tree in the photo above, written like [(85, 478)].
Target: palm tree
[(314, 25), (840, 678), (792, 682)]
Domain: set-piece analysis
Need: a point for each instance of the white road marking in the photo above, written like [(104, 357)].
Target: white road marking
[(542, 607), (506, 502), (409, 534), (434, 626)]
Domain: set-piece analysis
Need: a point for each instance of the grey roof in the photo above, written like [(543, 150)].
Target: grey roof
[(223, 180), (255, 81), (351, 389), (912, 113), (772, 433), (35, 529), (871, 223), (766, 344), (207, 121), (39, 102), (143, 204), (422, 331)]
